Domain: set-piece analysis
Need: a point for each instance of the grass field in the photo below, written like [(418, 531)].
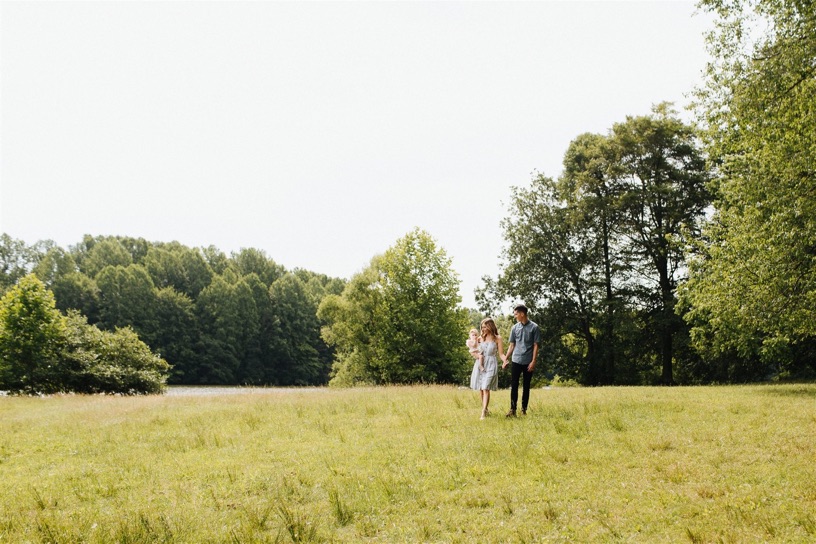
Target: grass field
[(412, 464)]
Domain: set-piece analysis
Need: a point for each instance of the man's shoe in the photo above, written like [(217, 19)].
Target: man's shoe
[(524, 412), (511, 413)]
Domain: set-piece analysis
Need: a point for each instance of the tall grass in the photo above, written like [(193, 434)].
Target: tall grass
[(412, 464)]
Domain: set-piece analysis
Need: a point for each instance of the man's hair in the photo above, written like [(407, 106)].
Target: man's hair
[(520, 308)]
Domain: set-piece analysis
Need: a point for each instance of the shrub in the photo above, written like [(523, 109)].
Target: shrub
[(110, 362), (42, 351)]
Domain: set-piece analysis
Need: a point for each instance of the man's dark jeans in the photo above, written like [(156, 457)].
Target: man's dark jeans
[(516, 371)]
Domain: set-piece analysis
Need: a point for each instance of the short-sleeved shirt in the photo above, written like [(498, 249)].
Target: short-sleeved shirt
[(524, 337)]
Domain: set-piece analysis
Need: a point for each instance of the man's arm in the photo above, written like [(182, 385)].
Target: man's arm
[(535, 358), (510, 347)]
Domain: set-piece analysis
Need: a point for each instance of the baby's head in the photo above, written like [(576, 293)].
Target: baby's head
[(474, 333)]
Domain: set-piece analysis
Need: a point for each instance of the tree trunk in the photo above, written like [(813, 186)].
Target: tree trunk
[(666, 323)]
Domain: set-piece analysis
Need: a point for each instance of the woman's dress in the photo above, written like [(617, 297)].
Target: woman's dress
[(489, 377)]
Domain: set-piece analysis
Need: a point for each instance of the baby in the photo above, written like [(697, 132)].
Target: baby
[(473, 346)]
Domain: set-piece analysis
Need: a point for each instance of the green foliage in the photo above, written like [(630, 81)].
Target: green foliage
[(99, 361), (216, 319), (254, 261), (602, 247), (296, 342), (179, 267), (126, 297), (16, 260), (78, 292), (752, 288), (398, 320), (175, 332), (226, 315), (662, 180), (105, 253), (54, 264), (32, 334), (42, 351)]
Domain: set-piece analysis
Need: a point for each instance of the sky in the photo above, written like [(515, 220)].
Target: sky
[(318, 132)]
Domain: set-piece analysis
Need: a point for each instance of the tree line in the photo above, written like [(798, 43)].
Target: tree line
[(217, 319)]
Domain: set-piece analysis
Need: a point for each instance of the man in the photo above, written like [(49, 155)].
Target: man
[(524, 339)]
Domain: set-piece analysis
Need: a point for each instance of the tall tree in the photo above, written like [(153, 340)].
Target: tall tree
[(32, 334), (752, 286), (296, 343), (554, 264), (229, 325), (600, 247), (173, 332), (398, 320), (588, 187), (16, 260), (55, 263), (182, 268), (79, 292), (103, 253), (127, 297), (662, 181), (254, 261)]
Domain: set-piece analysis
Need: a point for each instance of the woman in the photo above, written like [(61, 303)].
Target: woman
[(485, 377)]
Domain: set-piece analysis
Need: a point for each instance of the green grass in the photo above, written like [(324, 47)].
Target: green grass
[(412, 464)]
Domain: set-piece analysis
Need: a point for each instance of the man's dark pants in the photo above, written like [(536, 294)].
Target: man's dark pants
[(518, 370)]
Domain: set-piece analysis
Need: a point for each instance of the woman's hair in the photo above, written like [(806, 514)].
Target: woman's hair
[(491, 326)]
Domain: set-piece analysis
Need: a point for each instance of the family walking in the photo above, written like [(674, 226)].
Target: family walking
[(486, 346)]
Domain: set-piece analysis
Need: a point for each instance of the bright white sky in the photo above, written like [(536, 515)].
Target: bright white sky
[(319, 132)]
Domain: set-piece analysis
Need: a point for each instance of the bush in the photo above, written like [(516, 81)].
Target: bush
[(43, 352), (110, 362)]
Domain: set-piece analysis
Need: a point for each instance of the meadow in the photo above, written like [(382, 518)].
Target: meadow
[(412, 464)]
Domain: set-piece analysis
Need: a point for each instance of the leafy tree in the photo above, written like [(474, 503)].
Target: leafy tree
[(351, 327), (216, 259), (197, 273), (174, 332), (398, 320), (165, 268), (16, 260), (752, 287), (256, 352), (102, 254), (79, 292), (127, 298), (228, 319), (296, 343), (32, 333), (254, 261), (55, 263), (179, 267), (662, 181), (41, 351), (96, 361), (553, 264), (588, 186), (602, 246)]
